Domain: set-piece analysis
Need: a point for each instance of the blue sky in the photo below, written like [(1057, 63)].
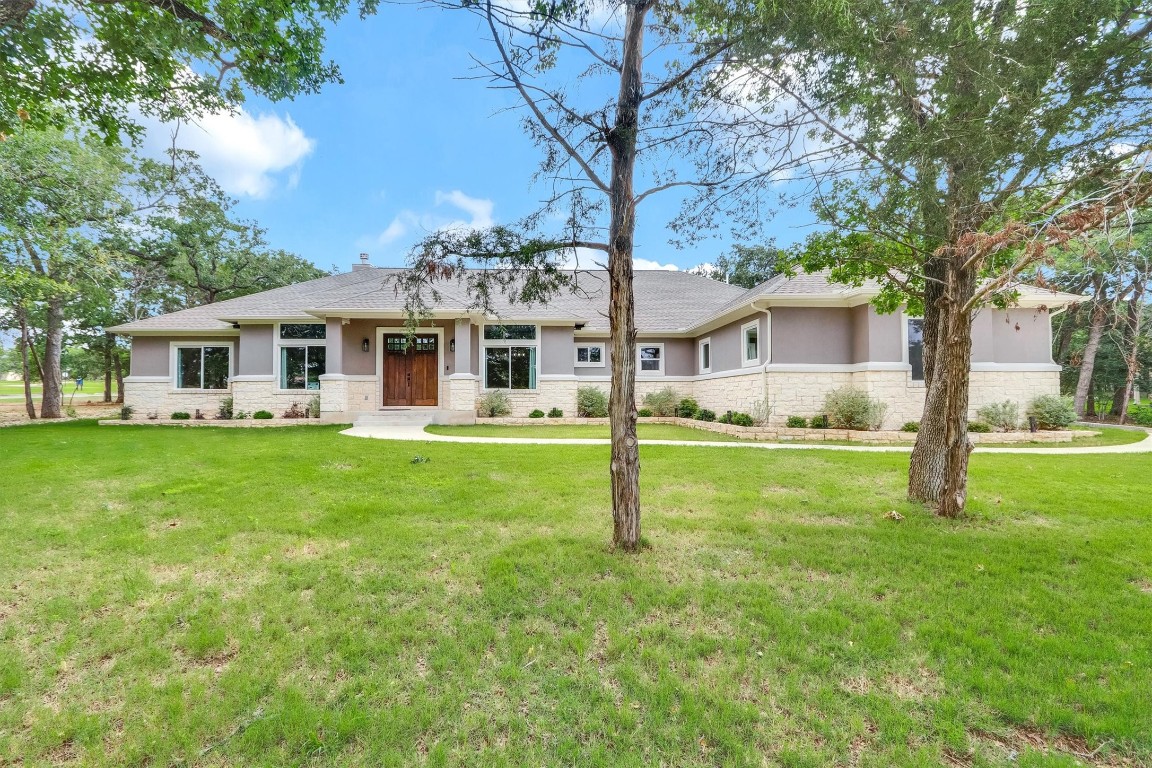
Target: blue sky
[(402, 147)]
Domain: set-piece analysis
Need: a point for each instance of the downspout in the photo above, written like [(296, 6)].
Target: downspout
[(768, 357)]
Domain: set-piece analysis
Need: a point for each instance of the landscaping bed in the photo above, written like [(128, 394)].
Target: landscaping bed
[(273, 422)]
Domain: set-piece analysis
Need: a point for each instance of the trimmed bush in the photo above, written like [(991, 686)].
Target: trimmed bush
[(979, 426), (742, 420), (818, 422), (1053, 411), (591, 403), (555, 413), (494, 403), (181, 416), (706, 415), (1140, 414), (851, 408), (262, 415), (796, 422), (662, 403), (644, 412), (910, 426), (1003, 417), (536, 414), (126, 413), (688, 408)]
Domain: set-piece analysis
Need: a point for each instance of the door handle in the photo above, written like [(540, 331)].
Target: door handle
[(409, 377)]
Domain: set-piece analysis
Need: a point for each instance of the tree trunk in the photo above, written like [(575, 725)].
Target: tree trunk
[(952, 378), (26, 370), (1131, 347), (1088, 361), (109, 341), (118, 364), (52, 401), (929, 457), (625, 467), (1067, 328)]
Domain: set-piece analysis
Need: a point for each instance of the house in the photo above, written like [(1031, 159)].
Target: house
[(787, 341)]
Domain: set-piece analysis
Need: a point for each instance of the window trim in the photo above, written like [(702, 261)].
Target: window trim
[(603, 355), (639, 368), (278, 344), (744, 361), (704, 342), (906, 359), (174, 364), (485, 344)]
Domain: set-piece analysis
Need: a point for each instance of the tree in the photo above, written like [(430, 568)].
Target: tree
[(746, 265), (95, 61), (634, 108), (957, 141)]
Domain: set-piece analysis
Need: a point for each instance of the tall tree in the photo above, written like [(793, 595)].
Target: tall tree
[(746, 265), (958, 139)]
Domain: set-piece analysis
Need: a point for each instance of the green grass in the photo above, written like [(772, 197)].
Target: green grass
[(296, 597), (585, 431)]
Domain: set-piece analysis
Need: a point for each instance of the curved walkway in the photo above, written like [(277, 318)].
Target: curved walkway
[(417, 433)]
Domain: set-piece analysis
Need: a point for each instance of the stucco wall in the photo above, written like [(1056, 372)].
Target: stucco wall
[(557, 350), (254, 358), (812, 335), (728, 344), (876, 338)]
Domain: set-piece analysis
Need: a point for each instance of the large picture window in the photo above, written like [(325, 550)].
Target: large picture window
[(302, 355), (916, 348), (202, 367), (510, 354)]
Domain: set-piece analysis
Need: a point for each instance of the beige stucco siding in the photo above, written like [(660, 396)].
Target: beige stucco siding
[(150, 355), (728, 344), (1021, 336), (876, 338), (812, 335), (557, 350), (254, 357)]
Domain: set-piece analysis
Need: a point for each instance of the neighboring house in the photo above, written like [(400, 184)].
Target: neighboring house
[(787, 341)]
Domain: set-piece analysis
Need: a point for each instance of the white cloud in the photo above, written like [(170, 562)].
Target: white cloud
[(411, 224), (649, 264), (248, 155)]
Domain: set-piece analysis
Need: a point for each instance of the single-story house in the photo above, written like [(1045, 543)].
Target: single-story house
[(787, 341)]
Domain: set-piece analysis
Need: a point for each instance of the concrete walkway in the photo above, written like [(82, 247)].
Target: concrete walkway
[(417, 433)]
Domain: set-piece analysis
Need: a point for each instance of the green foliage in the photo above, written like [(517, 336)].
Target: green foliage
[(1003, 417), (126, 412), (536, 414), (910, 426), (241, 415), (1052, 411), (706, 415), (819, 422), (181, 416), (591, 403), (1140, 414), (555, 413), (262, 415), (747, 265), (226, 408), (494, 404), (742, 419), (979, 426), (852, 408), (644, 413), (314, 407), (663, 402), (796, 422), (687, 408)]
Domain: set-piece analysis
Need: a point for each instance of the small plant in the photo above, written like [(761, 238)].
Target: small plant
[(70, 412), (910, 426), (494, 403), (706, 415), (1052, 411), (819, 422), (418, 459), (241, 415), (742, 419), (198, 416), (761, 412), (180, 416), (851, 408), (979, 426), (644, 412), (225, 411), (536, 414), (687, 408), (295, 412), (555, 413), (314, 407), (126, 412), (262, 415), (724, 418), (796, 422), (591, 403), (662, 403), (1003, 417), (153, 415)]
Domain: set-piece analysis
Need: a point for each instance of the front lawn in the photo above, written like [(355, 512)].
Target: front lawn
[(297, 597), (586, 431)]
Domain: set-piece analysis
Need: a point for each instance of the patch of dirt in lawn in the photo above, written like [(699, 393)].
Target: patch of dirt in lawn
[(924, 684), (1009, 745), (1144, 585)]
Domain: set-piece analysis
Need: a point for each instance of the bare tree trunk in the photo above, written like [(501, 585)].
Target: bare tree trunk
[(1131, 346), (953, 379), (929, 457), (1088, 360), (1067, 329), (625, 467), (109, 341), (52, 400), (26, 370), (118, 364)]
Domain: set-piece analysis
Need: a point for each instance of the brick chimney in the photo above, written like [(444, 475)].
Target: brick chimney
[(363, 263)]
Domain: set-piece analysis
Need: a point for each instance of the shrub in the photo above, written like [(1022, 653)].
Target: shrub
[(536, 414), (262, 415), (818, 422), (591, 403), (1004, 416), (796, 422), (706, 415), (687, 408), (314, 407), (125, 413), (910, 426), (979, 426), (555, 413), (494, 403), (662, 403), (70, 412), (742, 420), (851, 408), (645, 412), (1052, 411), (761, 412), (725, 418), (1140, 414), (226, 405), (295, 412), (181, 416), (241, 415), (198, 416)]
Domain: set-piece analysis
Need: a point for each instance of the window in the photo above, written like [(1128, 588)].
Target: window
[(303, 355), (651, 358), (916, 348), (750, 338), (509, 362), (202, 367), (705, 355), (590, 356)]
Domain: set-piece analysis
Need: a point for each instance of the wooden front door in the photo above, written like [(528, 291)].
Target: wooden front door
[(410, 367)]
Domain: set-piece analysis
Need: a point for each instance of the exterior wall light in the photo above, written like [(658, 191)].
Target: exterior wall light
[(364, 345), (452, 345)]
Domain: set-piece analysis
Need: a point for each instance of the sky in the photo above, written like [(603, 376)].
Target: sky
[(406, 145)]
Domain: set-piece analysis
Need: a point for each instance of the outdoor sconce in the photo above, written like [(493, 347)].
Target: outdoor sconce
[(364, 345), (452, 345)]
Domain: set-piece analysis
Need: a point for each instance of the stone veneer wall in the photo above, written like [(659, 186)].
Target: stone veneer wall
[(157, 397)]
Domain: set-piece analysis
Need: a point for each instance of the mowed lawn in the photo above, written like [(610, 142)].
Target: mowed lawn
[(296, 597)]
